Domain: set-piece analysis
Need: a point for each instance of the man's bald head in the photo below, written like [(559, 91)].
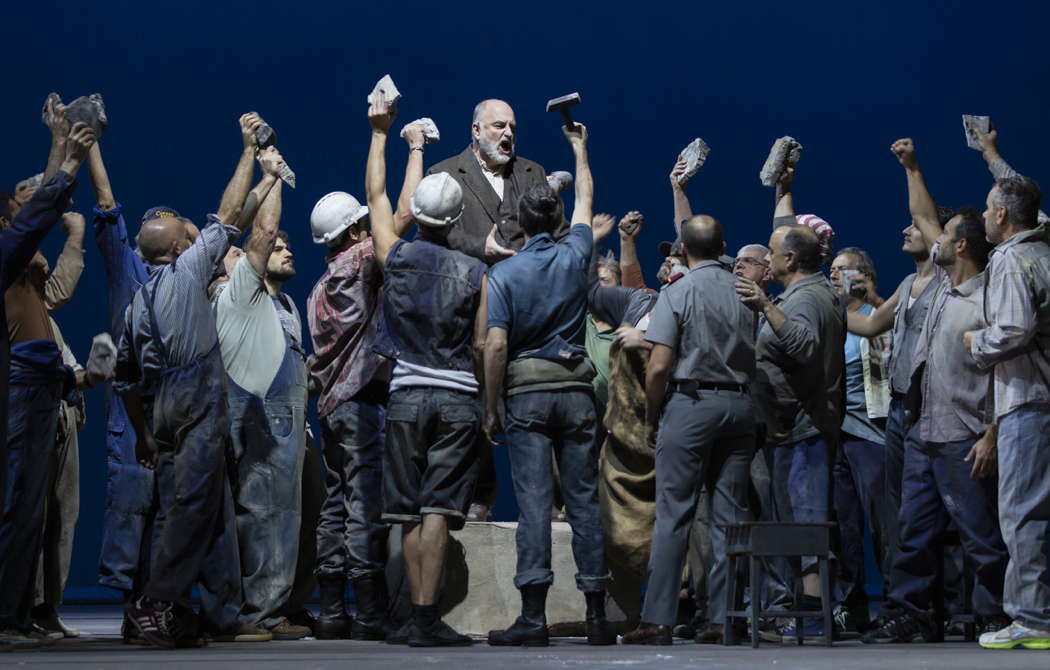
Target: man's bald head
[(162, 240), (702, 238), (492, 132)]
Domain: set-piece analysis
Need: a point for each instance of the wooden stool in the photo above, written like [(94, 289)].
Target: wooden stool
[(767, 539)]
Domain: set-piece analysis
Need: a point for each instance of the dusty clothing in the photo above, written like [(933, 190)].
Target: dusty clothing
[(34, 294)]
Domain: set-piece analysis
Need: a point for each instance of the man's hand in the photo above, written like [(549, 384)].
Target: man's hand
[(989, 142), (676, 171), (602, 225), (751, 294), (984, 455), (631, 225), (73, 223), (492, 426), (494, 251), (81, 139), (577, 135), (414, 135), (250, 122), (381, 114), (631, 339), (968, 341), (145, 450), (904, 150), (56, 120), (786, 177), (270, 161)]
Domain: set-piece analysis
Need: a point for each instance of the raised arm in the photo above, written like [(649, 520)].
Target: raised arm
[(997, 165), (920, 203), (270, 161), (630, 267), (381, 115), (55, 118), (878, 322), (59, 287), (583, 209), (236, 191), (413, 175), (785, 200), (100, 180), (683, 211), (264, 231)]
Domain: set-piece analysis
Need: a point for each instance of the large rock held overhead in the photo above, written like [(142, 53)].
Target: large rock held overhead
[(785, 152)]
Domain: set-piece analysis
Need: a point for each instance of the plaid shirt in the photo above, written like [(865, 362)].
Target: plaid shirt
[(1017, 308), (342, 312)]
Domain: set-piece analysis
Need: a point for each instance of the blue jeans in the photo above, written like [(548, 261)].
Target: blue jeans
[(1024, 512), (896, 431), (31, 423), (707, 439), (938, 488), (351, 536), (859, 477), (269, 444), (802, 484), (542, 424), (130, 506)]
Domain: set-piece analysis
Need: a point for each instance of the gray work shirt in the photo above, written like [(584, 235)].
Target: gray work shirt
[(184, 313), (799, 377), (954, 387), (907, 326), (701, 317)]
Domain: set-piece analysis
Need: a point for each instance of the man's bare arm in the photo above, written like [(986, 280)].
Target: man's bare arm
[(920, 203), (495, 369), (481, 330), (100, 179), (878, 322), (657, 374), (683, 211), (264, 230), (55, 117), (59, 287), (413, 175), (381, 115), (785, 200), (237, 189), (270, 160), (583, 211)]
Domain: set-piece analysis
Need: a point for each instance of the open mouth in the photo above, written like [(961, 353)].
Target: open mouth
[(506, 146)]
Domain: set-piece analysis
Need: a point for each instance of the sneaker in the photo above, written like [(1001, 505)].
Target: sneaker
[(904, 627), (812, 631), (286, 630), (246, 632), (46, 618), (154, 620), (39, 632), (12, 639), (440, 634), (1016, 634)]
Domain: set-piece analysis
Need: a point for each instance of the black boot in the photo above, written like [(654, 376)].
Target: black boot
[(333, 622), (530, 629), (598, 632), (371, 622)]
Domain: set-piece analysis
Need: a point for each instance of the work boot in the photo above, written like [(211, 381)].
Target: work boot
[(286, 630), (426, 629), (333, 622), (529, 629), (649, 633), (598, 632), (371, 621)]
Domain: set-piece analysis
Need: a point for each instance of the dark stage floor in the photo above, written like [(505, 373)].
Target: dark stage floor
[(101, 648)]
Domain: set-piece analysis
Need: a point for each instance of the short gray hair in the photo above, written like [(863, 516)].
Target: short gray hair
[(865, 263), (762, 249), (1019, 196), (609, 262)]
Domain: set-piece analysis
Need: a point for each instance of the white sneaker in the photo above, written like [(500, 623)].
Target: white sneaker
[(1016, 634)]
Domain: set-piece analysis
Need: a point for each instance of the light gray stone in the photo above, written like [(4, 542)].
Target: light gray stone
[(694, 154), (785, 152), (430, 130), (970, 122), (386, 87)]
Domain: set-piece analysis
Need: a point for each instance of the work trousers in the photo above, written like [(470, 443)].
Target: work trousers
[(31, 422), (63, 508), (893, 474), (1024, 512), (559, 424), (938, 489), (706, 438), (351, 536), (802, 485), (859, 494)]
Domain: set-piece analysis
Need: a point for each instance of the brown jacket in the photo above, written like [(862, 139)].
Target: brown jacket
[(482, 207)]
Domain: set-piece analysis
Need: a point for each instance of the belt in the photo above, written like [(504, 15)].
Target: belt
[(693, 387)]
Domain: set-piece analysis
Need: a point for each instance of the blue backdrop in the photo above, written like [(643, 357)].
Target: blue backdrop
[(846, 79)]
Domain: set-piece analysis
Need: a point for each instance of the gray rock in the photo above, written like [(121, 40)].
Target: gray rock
[(385, 86), (785, 152), (52, 96), (430, 129), (88, 109), (694, 154)]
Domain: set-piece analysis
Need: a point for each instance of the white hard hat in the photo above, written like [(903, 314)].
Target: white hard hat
[(438, 200), (333, 214)]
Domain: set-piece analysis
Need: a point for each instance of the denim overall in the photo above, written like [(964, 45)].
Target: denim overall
[(269, 444)]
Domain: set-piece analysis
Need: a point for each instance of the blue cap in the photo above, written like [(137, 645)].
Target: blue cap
[(160, 212)]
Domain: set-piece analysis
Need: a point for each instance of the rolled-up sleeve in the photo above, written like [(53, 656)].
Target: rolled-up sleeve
[(800, 335)]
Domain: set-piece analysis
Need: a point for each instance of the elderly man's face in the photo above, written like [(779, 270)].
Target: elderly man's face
[(991, 219), (494, 132), (752, 264)]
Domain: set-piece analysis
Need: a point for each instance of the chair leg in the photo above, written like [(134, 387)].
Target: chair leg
[(825, 599), (731, 601), (756, 599)]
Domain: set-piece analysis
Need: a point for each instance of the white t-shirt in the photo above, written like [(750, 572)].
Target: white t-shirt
[(408, 374), (250, 331)]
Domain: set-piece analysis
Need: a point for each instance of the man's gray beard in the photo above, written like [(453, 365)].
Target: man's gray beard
[(490, 150)]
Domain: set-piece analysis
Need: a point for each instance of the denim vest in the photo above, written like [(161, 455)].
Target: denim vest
[(430, 297)]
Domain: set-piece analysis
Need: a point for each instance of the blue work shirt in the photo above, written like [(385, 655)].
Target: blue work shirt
[(539, 296)]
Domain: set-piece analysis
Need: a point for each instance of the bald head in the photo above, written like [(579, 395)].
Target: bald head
[(492, 132), (702, 238), (162, 240)]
